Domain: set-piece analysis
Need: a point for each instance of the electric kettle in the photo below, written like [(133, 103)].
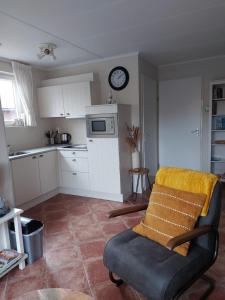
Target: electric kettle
[(65, 138)]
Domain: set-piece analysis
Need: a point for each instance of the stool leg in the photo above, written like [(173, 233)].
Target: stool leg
[(137, 185), (149, 183)]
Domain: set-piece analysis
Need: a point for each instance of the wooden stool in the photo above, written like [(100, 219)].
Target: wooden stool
[(139, 172)]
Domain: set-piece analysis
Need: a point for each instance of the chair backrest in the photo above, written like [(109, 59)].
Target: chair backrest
[(213, 217)]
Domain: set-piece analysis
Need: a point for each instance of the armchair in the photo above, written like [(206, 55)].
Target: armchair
[(156, 271)]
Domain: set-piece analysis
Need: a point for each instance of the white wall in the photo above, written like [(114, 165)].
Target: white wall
[(27, 137), (209, 70)]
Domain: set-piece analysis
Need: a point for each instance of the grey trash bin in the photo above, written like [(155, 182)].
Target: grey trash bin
[(32, 238)]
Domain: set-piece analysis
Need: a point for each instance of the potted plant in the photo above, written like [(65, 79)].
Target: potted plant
[(132, 141)]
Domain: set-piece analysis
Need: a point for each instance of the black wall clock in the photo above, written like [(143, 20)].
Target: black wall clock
[(118, 78)]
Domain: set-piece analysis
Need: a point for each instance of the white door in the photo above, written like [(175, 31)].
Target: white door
[(50, 102), (180, 123), (26, 179), (76, 96), (150, 124), (48, 171), (103, 154)]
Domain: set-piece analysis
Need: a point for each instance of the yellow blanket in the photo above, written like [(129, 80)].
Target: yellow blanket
[(189, 181)]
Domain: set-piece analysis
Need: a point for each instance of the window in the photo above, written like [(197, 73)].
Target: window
[(10, 107)]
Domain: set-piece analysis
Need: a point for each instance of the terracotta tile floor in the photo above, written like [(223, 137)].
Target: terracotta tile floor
[(76, 230)]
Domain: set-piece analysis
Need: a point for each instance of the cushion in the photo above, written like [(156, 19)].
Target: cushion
[(150, 268), (189, 181), (170, 213)]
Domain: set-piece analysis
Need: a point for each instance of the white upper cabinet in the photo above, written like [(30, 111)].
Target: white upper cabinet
[(50, 102), (64, 100), (76, 96)]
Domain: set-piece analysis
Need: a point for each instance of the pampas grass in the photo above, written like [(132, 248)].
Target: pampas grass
[(133, 137)]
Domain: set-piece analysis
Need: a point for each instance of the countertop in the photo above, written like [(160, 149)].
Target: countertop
[(33, 151)]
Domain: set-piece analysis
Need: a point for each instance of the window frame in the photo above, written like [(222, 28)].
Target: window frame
[(10, 123)]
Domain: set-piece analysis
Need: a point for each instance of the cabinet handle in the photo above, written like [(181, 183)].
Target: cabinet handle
[(68, 114), (91, 141), (74, 153), (61, 114), (34, 157), (74, 159), (74, 173), (41, 155)]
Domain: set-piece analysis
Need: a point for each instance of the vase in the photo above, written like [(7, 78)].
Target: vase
[(135, 159)]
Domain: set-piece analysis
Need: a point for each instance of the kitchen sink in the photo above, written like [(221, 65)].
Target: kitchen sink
[(17, 153)]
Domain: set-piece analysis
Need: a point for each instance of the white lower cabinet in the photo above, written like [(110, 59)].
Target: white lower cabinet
[(74, 170), (75, 180), (48, 171), (104, 166), (34, 176), (26, 179)]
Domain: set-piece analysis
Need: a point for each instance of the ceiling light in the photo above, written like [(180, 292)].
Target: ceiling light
[(47, 50)]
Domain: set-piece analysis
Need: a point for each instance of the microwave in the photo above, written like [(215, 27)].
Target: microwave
[(102, 125)]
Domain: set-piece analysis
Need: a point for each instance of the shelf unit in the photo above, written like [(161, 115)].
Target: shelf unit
[(15, 215), (217, 128)]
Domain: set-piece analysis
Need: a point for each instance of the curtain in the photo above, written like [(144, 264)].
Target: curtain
[(24, 91)]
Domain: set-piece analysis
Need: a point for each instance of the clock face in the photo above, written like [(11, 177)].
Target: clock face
[(118, 78)]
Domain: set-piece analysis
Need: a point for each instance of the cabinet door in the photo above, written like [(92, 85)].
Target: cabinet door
[(50, 102), (75, 180), (76, 96), (48, 171), (104, 169), (26, 179)]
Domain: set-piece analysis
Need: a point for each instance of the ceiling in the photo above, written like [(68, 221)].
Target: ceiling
[(163, 31)]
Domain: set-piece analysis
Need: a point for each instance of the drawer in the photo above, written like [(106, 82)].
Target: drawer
[(73, 153), (74, 164), (75, 180)]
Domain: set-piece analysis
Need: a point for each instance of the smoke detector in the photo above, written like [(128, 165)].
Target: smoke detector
[(47, 50)]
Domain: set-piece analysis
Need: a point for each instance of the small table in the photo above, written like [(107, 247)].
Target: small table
[(54, 294), (140, 172)]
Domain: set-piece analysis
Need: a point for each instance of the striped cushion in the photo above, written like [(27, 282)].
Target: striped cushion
[(170, 213)]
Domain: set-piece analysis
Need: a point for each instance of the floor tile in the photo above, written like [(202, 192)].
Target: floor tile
[(24, 285), (96, 271), (111, 292), (88, 233), (59, 241), (113, 228), (92, 249), (56, 227), (55, 258)]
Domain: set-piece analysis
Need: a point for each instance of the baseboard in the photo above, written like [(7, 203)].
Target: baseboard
[(39, 199), (92, 194)]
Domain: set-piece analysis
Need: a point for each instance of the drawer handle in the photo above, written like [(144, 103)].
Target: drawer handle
[(41, 155), (34, 157), (61, 114), (68, 114), (74, 153), (74, 173), (90, 140), (74, 159)]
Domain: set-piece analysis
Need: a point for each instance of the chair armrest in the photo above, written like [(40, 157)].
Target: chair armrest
[(186, 237), (127, 210)]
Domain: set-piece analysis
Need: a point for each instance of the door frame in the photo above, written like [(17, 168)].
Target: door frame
[(142, 148)]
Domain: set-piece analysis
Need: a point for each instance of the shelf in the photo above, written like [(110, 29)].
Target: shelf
[(22, 259), (217, 161), (215, 144), (219, 99), (12, 214), (222, 130), (218, 116)]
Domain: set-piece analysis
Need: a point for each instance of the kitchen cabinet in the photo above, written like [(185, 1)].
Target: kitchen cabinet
[(48, 171), (76, 96), (104, 168), (67, 100), (50, 102), (74, 169), (26, 179)]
